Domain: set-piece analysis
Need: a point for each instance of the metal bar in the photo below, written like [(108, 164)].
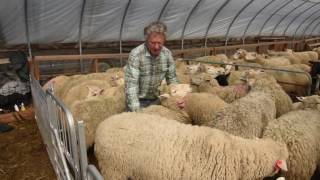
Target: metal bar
[(162, 10), (73, 135), (82, 148), (285, 16), (253, 18), (187, 20), (27, 27), (306, 19), (314, 29), (212, 20), (80, 34), (121, 29), (93, 173), (305, 29), (297, 16), (265, 23), (233, 20)]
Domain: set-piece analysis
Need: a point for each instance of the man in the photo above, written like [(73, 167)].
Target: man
[(147, 66)]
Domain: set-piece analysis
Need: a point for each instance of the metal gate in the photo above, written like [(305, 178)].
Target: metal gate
[(63, 137)]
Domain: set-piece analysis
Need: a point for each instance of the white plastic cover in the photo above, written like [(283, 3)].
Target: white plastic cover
[(58, 21)]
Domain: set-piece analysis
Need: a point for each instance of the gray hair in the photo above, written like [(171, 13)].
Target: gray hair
[(157, 27)]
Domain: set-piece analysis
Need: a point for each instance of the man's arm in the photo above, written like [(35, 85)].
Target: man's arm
[(171, 76), (132, 83)]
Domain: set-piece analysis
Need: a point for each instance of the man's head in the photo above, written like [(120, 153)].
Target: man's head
[(155, 35)]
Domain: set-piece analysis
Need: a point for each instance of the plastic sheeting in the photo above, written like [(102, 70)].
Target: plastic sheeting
[(63, 21)]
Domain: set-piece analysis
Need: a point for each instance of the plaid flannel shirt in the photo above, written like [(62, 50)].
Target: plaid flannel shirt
[(144, 73)]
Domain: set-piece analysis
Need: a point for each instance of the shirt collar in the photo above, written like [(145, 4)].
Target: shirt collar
[(146, 51)]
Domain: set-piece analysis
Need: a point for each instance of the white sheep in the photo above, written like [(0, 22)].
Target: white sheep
[(142, 146), (300, 131)]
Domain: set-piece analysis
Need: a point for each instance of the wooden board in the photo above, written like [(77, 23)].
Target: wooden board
[(28, 114)]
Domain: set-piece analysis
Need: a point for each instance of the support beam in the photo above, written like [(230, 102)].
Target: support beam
[(265, 23), (233, 20), (162, 10), (27, 27), (253, 18), (305, 20), (80, 34), (187, 20), (121, 28), (212, 21), (297, 16), (285, 16)]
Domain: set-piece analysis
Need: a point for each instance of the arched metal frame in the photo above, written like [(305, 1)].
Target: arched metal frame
[(253, 18), (306, 19), (121, 29), (27, 27), (80, 34), (233, 20), (285, 16), (212, 20), (305, 29), (296, 17), (314, 29), (162, 10), (187, 20), (265, 23)]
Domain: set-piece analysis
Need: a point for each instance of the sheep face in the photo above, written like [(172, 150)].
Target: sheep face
[(192, 69)]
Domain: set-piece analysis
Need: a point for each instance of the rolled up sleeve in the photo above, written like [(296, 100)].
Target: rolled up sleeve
[(132, 83)]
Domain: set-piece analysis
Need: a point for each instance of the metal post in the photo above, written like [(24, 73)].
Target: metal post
[(285, 16), (296, 17), (230, 25), (253, 18), (162, 10), (211, 22), (305, 20), (187, 20), (314, 29), (121, 29), (80, 34), (27, 27), (305, 29), (265, 23)]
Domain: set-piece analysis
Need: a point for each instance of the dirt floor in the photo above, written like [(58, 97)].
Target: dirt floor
[(23, 155)]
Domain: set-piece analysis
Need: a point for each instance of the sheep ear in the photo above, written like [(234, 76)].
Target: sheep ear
[(164, 96), (301, 98)]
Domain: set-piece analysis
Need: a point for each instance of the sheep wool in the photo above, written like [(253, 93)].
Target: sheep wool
[(245, 117), (167, 113), (143, 146), (300, 131)]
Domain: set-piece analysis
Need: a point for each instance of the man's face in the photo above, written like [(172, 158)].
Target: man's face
[(155, 42)]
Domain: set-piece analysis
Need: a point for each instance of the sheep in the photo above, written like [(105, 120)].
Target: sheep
[(245, 117), (95, 109), (263, 82), (167, 113), (227, 93), (202, 106), (300, 131), (142, 146)]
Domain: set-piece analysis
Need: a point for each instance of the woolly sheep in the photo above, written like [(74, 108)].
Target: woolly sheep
[(142, 146), (245, 117), (95, 109), (300, 131), (263, 82)]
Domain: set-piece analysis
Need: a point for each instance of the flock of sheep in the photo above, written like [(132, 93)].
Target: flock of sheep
[(235, 124)]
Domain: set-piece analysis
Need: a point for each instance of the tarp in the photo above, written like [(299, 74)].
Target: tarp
[(64, 21)]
